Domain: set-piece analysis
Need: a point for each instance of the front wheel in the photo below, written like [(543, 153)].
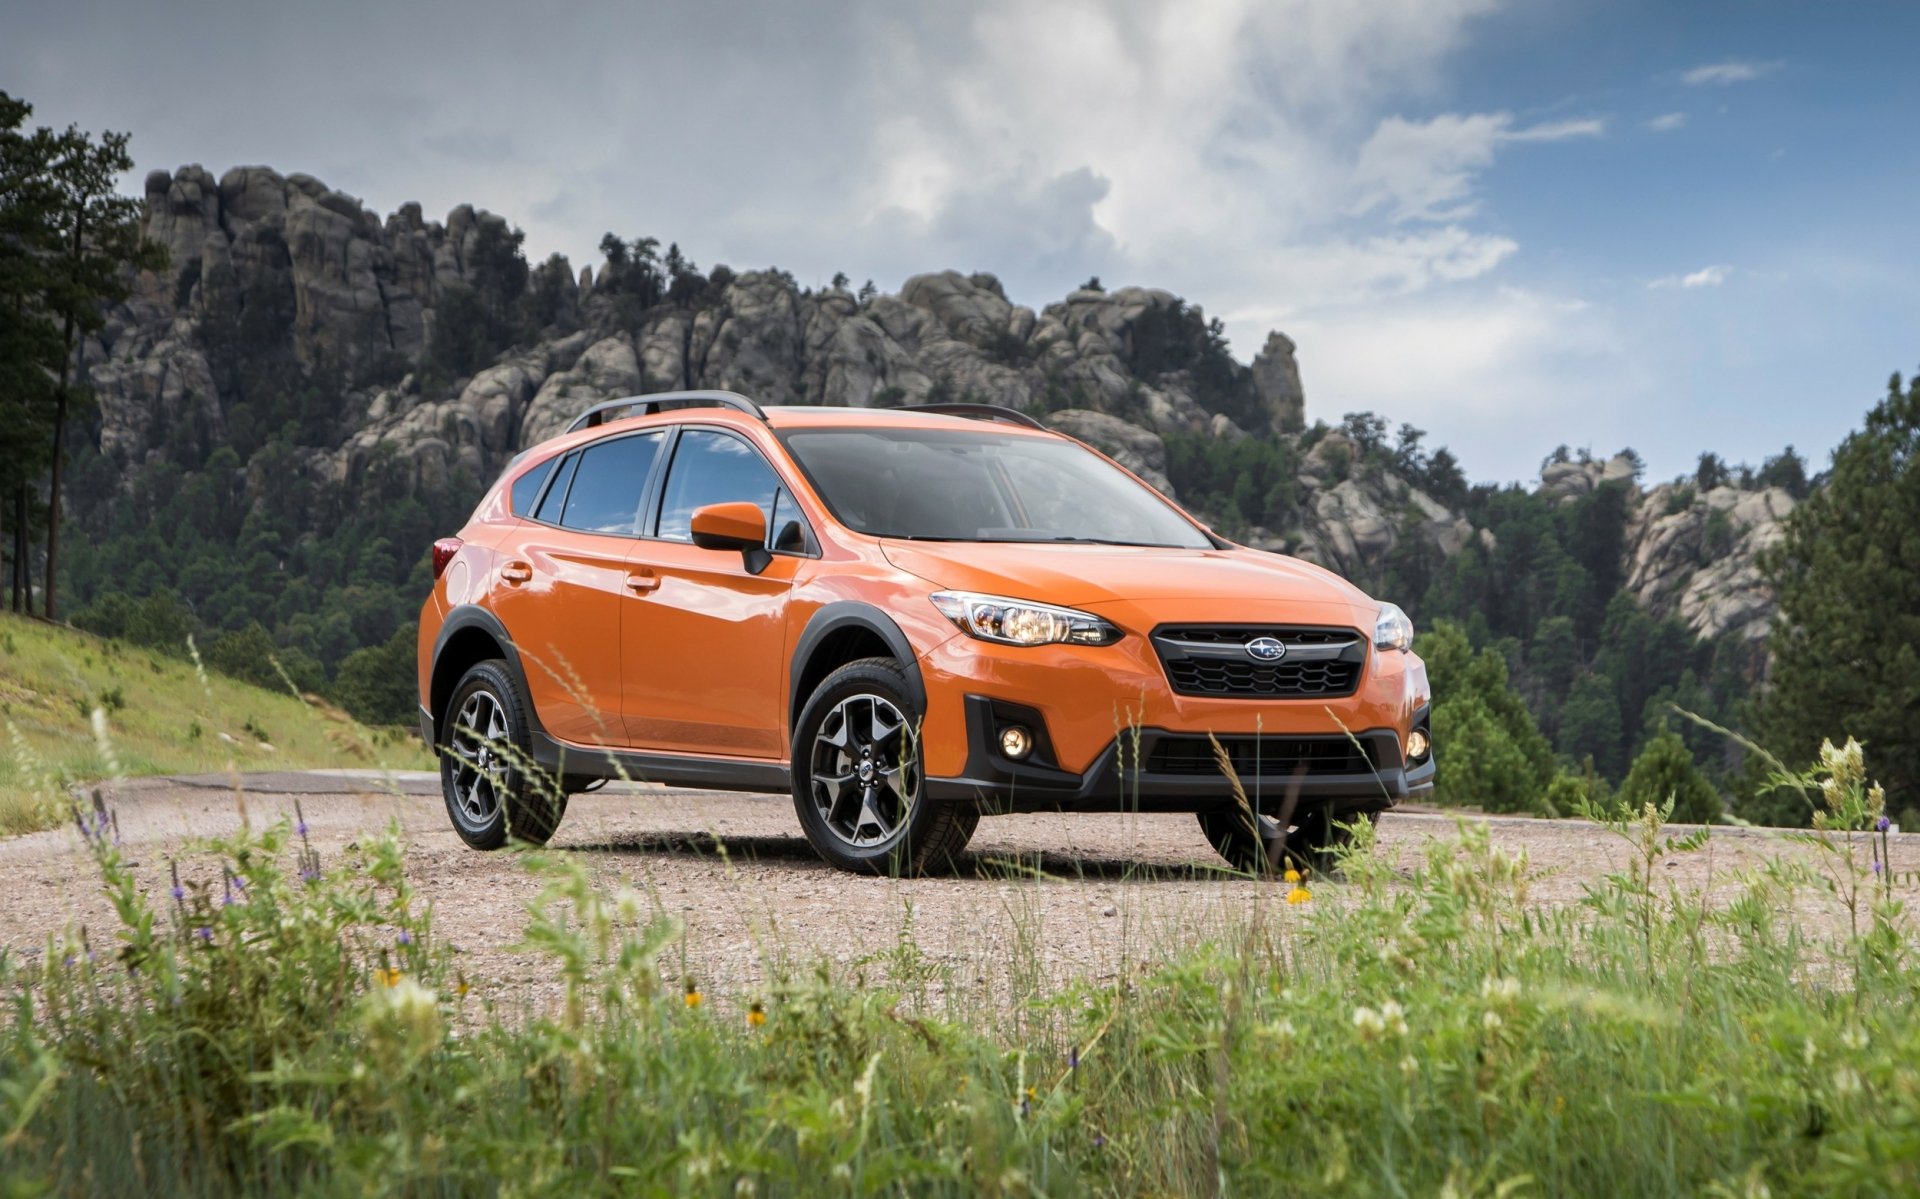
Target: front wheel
[(1312, 841), (857, 783), (488, 778)]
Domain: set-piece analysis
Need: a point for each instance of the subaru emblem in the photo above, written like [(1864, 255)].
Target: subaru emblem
[(1267, 649)]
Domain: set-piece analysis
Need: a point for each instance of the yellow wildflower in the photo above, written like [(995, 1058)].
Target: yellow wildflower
[(756, 1015), (1292, 875), (693, 996), (1299, 894), (387, 976)]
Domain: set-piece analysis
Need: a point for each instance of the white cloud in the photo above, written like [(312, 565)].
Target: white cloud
[(1731, 71), (1490, 367), (1425, 170), (1706, 276), (1667, 122)]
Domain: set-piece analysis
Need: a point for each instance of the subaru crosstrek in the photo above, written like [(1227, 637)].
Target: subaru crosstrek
[(909, 618)]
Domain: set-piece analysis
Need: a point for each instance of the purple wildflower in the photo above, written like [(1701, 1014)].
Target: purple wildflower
[(179, 893), (1882, 825), (1877, 867), (68, 963), (1099, 1140), (405, 937), (1026, 1107), (301, 828), (204, 933), (1073, 1058)]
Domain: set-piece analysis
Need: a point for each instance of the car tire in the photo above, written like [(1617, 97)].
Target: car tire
[(492, 788), (1312, 843), (857, 784)]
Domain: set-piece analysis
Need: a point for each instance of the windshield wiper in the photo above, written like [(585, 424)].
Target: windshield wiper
[(1152, 545)]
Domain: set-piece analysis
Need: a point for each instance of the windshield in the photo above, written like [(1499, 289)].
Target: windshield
[(980, 485)]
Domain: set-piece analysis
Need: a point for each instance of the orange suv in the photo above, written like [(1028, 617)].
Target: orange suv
[(907, 617)]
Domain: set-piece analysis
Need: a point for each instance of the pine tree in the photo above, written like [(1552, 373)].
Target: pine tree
[(1665, 770), (85, 251), (1846, 645)]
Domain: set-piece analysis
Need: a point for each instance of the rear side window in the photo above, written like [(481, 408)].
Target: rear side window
[(713, 468), (557, 494), (610, 484), (526, 488)]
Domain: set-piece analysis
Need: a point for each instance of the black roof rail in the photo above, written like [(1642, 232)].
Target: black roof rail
[(660, 401), (999, 412)]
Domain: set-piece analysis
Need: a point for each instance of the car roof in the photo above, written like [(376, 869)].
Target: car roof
[(813, 416), (782, 416)]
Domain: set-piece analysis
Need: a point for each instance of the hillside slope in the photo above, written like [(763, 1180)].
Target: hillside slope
[(162, 717)]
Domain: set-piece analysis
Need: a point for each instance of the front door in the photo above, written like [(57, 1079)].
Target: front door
[(703, 646), (561, 588)]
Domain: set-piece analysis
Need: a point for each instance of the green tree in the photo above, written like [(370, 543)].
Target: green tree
[(1488, 750), (87, 250), (30, 345), (376, 683), (1665, 770), (1590, 725), (1479, 764), (1846, 644)]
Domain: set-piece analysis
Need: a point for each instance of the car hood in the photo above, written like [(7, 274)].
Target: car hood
[(1179, 583)]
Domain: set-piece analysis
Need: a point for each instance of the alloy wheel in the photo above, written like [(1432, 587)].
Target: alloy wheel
[(865, 774), (477, 743)]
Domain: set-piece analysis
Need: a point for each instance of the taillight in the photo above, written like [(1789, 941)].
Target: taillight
[(443, 552)]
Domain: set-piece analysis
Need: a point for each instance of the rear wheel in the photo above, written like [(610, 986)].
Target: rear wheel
[(1311, 841), (857, 783), (492, 788)]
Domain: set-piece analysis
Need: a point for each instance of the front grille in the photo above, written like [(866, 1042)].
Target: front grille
[(1211, 660), (1259, 757)]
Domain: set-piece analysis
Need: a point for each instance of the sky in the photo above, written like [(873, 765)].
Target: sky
[(1515, 224)]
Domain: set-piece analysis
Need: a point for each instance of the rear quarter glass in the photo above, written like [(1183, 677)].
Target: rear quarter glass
[(526, 488)]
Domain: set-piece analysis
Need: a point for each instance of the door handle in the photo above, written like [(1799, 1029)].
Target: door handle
[(642, 581), (516, 572)]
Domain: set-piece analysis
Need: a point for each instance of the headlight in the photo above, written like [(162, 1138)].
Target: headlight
[(1017, 622), (1393, 630)]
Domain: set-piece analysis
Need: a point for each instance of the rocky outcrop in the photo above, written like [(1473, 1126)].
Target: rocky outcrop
[(1690, 555), (1568, 481), (1695, 556), (1357, 513), (353, 290)]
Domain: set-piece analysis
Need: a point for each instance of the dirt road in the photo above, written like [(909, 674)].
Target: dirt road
[(1079, 895)]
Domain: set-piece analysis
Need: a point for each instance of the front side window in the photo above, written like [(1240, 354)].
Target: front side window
[(610, 485), (983, 485), (713, 468)]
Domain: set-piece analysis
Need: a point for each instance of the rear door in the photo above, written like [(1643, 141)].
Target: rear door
[(560, 585), (703, 647)]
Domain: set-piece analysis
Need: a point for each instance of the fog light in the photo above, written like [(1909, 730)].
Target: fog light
[(1015, 742), (1417, 745)]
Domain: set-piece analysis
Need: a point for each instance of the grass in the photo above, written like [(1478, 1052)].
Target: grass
[(278, 1023), (165, 717)]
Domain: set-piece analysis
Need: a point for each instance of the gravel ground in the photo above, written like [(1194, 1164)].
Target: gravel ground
[(1067, 895)]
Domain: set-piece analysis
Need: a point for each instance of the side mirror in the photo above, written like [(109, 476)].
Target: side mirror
[(734, 526)]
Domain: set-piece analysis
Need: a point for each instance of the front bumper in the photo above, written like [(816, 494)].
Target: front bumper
[(1155, 769)]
